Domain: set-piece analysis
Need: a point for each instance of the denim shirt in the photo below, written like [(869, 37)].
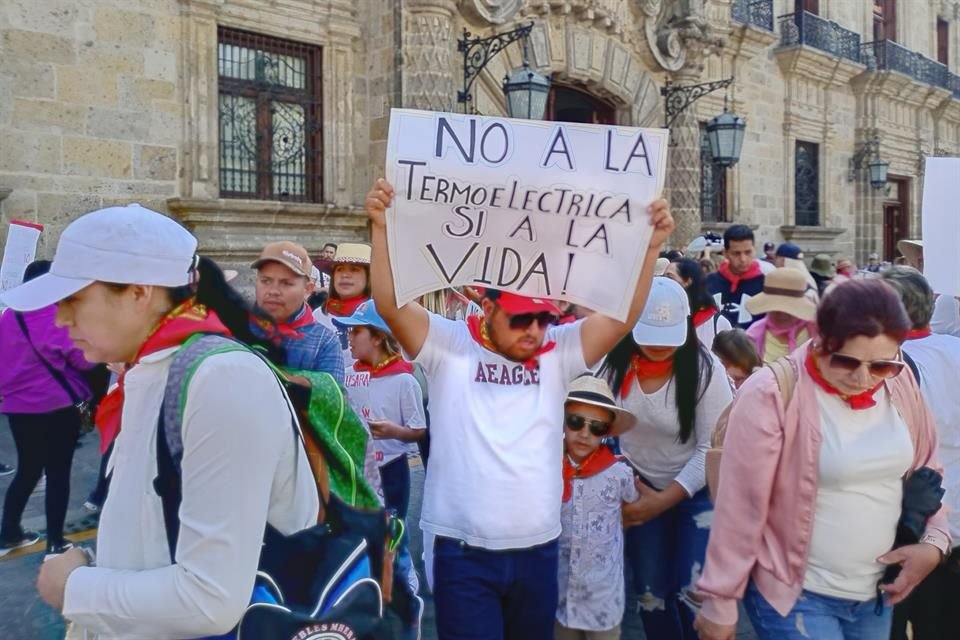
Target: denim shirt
[(591, 550), (318, 349)]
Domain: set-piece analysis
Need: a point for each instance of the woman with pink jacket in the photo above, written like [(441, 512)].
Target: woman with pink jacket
[(810, 494)]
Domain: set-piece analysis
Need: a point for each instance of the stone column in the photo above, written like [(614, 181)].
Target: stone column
[(683, 169), (430, 56)]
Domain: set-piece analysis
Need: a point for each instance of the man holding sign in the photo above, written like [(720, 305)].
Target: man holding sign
[(493, 493)]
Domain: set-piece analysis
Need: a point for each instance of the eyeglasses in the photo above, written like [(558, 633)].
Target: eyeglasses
[(522, 321), (598, 428), (878, 368)]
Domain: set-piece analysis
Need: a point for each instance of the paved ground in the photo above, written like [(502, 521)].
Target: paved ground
[(23, 616)]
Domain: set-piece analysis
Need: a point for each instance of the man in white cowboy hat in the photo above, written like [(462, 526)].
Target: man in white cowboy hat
[(595, 486), (282, 286), (497, 386), (789, 303)]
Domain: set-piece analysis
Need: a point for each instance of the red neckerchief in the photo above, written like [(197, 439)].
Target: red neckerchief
[(567, 319), (597, 462), (643, 369), (917, 334), (344, 308), (703, 316), (277, 331), (391, 366), (479, 332), (176, 327), (753, 272), (860, 401)]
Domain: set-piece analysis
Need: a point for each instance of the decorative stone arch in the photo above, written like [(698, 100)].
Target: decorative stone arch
[(584, 56)]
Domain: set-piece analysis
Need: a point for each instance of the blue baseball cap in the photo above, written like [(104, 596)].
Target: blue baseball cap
[(789, 250), (365, 316)]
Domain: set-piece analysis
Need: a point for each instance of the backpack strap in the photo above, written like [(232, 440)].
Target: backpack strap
[(786, 375), (912, 364)]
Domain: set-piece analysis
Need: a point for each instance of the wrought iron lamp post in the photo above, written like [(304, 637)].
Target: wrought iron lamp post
[(526, 90), (724, 132)]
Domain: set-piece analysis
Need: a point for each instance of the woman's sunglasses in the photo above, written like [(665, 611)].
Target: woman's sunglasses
[(522, 321), (878, 368), (598, 428)]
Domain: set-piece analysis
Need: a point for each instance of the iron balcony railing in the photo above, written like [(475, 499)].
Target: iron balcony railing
[(890, 56), (827, 36), (756, 12)]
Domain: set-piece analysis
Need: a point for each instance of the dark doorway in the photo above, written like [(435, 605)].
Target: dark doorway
[(896, 216), (566, 104)]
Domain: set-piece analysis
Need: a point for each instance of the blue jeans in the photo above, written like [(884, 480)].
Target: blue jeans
[(395, 478), (495, 595), (818, 617), (666, 556)]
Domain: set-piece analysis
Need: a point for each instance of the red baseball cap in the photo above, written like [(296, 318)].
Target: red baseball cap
[(516, 305)]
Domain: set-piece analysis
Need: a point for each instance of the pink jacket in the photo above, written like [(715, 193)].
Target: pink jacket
[(763, 519)]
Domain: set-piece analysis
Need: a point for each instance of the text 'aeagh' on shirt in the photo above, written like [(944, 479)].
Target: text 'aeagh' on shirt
[(496, 434)]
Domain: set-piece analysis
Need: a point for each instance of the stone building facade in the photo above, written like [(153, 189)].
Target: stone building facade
[(253, 120)]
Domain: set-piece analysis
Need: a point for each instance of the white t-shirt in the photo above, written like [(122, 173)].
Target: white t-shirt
[(707, 332), (653, 445), (496, 448), (938, 359), (395, 397), (863, 457)]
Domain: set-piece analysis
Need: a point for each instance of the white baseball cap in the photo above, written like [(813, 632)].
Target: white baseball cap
[(122, 245), (663, 322)]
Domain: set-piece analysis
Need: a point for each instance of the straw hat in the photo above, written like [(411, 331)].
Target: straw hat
[(595, 391), (661, 266), (784, 290), (352, 252), (912, 250)]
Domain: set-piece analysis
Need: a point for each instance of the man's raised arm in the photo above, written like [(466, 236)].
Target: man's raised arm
[(410, 323)]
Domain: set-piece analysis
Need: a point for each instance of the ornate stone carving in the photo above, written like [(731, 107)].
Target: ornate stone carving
[(490, 11), (679, 39), (429, 45)]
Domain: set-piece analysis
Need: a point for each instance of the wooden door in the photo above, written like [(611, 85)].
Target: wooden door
[(894, 229)]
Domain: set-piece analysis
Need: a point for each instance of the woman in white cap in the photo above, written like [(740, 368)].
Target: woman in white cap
[(128, 290), (349, 288), (676, 389)]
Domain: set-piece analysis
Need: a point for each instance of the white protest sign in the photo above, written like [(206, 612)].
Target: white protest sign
[(19, 251), (547, 209), (941, 224)]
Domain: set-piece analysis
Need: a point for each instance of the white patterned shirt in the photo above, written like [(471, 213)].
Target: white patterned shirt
[(591, 550)]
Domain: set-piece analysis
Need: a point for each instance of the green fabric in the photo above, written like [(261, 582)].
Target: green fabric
[(343, 438)]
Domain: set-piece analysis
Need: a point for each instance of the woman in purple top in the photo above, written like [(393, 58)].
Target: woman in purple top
[(42, 414)]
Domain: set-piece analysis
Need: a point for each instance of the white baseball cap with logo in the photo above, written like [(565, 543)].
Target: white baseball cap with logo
[(122, 245), (664, 320)]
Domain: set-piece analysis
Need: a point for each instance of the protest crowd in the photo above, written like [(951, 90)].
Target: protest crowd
[(757, 436)]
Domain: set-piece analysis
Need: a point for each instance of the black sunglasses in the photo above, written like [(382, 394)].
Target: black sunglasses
[(522, 321), (598, 428), (878, 368)]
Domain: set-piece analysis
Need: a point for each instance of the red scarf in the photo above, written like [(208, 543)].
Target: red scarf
[(860, 401), (176, 327), (391, 366), (917, 334), (277, 331), (703, 316), (344, 308), (753, 272), (480, 333), (643, 369), (597, 462)]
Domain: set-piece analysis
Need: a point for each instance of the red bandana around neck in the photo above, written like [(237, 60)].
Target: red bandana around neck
[(176, 327), (391, 366), (643, 369), (276, 332), (917, 334), (703, 316), (753, 272), (344, 308), (863, 400), (597, 462), (479, 332)]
